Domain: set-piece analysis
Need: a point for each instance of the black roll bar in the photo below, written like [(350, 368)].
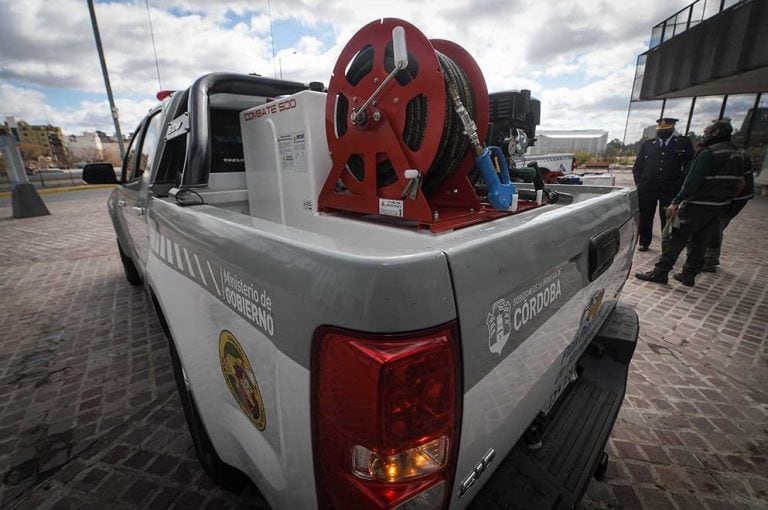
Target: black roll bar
[(197, 164)]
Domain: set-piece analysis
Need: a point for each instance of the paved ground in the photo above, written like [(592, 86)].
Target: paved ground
[(89, 416)]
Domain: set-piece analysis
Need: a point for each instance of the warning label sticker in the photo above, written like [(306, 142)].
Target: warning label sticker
[(293, 151), (391, 207)]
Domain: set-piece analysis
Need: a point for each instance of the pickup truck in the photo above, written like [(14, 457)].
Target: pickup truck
[(344, 361)]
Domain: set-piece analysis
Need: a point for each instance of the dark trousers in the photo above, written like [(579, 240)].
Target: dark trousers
[(649, 201), (712, 256), (697, 223)]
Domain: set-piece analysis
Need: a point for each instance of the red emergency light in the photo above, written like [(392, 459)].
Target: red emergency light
[(163, 94)]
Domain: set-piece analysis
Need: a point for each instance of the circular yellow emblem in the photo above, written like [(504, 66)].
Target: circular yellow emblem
[(240, 380)]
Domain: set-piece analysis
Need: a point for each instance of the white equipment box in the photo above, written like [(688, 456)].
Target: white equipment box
[(598, 180), (286, 156)]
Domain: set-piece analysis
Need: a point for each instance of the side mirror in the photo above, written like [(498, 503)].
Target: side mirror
[(99, 173)]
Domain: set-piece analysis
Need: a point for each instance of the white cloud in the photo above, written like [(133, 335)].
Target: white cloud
[(534, 45), (23, 103), (31, 105)]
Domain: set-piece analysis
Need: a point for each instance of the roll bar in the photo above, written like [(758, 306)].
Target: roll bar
[(197, 164)]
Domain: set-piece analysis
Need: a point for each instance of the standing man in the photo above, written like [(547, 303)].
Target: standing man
[(715, 178), (712, 256), (659, 171)]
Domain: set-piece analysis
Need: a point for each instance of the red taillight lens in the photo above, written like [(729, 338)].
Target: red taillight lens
[(385, 416)]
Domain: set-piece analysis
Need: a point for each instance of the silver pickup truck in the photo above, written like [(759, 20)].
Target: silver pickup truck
[(349, 361)]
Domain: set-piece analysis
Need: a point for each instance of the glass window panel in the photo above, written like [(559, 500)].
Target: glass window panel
[(639, 73), (669, 30), (642, 122), (678, 109), (736, 109), (149, 144), (129, 164), (656, 36), (711, 7), (681, 20), (758, 141), (697, 11), (729, 3), (706, 110)]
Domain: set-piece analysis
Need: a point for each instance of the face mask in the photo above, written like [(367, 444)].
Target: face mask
[(710, 136), (664, 133)]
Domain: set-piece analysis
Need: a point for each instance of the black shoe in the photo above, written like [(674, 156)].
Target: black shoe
[(642, 247), (652, 276), (685, 279), (709, 269)]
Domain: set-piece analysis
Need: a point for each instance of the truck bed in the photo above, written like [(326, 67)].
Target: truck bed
[(385, 236)]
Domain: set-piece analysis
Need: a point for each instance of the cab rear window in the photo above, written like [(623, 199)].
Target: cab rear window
[(226, 142)]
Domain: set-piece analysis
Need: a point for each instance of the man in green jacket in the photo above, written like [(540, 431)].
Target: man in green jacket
[(712, 257), (716, 176)]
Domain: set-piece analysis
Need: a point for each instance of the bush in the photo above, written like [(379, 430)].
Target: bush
[(582, 157)]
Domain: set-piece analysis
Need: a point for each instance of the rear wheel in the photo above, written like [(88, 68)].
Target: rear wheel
[(131, 273), (220, 472)]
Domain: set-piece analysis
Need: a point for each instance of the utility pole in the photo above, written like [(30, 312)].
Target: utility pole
[(112, 106)]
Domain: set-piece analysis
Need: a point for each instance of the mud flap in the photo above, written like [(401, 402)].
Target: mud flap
[(556, 475)]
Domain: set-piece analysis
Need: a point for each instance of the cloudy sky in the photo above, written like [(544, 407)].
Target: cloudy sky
[(576, 56)]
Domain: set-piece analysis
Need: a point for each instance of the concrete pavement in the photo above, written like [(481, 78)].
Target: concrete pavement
[(89, 416)]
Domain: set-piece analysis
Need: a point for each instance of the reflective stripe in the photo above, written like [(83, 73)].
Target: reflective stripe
[(697, 202), (724, 177), (744, 197)]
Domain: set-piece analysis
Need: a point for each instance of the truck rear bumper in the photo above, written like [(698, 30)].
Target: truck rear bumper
[(575, 432)]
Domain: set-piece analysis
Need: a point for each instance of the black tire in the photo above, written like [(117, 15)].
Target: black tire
[(220, 472), (602, 467), (131, 273)]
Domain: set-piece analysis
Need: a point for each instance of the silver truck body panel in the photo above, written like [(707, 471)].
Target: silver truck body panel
[(504, 391), (213, 267), (278, 459), (309, 283), (371, 277)]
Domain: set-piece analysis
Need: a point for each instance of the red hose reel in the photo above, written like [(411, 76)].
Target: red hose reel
[(411, 125)]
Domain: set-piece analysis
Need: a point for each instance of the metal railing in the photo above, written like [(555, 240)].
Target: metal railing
[(681, 21), (686, 18)]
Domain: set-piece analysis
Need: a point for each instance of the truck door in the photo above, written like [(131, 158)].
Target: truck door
[(126, 192), (137, 191), (134, 193)]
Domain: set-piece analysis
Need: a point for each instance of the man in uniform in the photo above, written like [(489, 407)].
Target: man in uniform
[(658, 171), (715, 178)]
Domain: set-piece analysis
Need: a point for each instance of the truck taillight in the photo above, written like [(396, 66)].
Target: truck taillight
[(385, 418)]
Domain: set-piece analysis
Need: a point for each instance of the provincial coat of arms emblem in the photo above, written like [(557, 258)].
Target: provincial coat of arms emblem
[(238, 374), (499, 322)]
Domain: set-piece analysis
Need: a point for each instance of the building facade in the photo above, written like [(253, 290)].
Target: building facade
[(49, 138), (86, 147), (707, 61), (569, 141)]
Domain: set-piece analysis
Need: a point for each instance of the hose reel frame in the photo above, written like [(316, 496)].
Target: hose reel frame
[(452, 202)]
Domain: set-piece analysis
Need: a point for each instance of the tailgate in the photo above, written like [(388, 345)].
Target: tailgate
[(529, 298)]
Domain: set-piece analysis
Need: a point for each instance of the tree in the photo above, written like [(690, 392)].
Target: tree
[(582, 157), (614, 150)]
